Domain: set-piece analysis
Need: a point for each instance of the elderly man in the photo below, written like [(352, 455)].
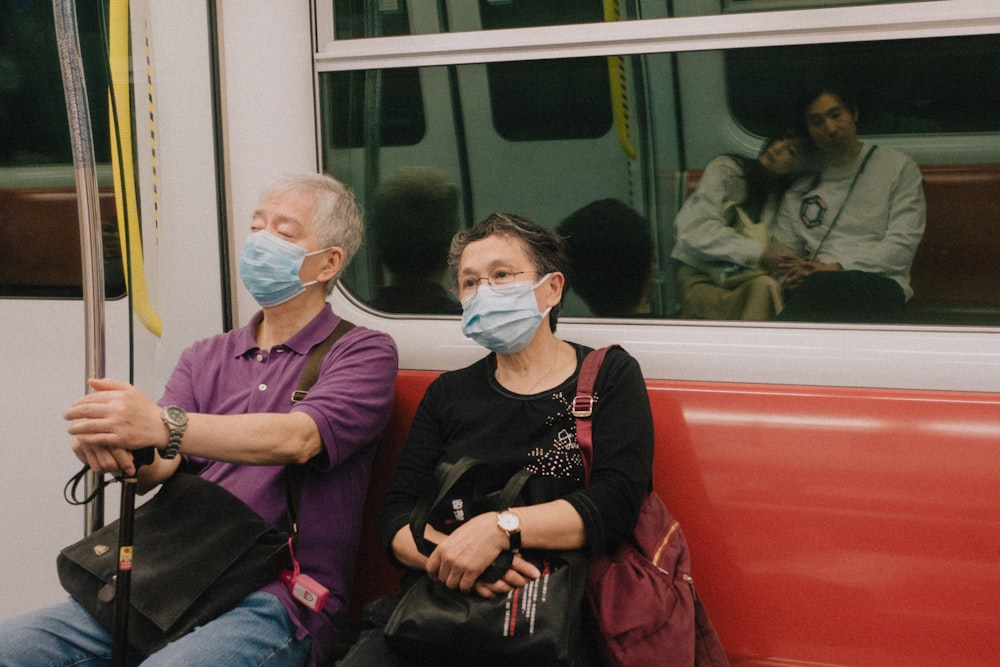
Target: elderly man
[(227, 417)]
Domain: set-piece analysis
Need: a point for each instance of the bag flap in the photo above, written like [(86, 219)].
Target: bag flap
[(185, 538)]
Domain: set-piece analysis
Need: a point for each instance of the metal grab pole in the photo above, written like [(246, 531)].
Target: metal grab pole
[(92, 260), (88, 208)]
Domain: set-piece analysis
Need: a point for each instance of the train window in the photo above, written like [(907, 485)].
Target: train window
[(354, 19), (500, 14), (399, 118), (652, 134), (39, 232), (399, 115), (565, 99), (561, 99), (479, 119), (568, 99), (949, 84), (764, 5), (363, 18)]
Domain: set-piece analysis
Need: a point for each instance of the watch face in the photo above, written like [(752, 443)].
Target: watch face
[(509, 521), (175, 415)]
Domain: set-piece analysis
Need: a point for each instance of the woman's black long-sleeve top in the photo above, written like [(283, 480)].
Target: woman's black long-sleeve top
[(467, 413)]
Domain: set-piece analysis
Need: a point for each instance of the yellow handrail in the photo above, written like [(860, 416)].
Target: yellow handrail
[(123, 167), (619, 86)]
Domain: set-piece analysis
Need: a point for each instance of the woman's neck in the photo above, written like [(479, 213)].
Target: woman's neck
[(544, 364)]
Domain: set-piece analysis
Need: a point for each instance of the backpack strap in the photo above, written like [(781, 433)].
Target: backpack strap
[(583, 406)]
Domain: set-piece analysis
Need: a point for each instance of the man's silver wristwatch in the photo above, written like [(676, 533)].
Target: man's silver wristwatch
[(176, 420)]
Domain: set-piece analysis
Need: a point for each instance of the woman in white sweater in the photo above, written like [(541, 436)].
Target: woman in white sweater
[(723, 262)]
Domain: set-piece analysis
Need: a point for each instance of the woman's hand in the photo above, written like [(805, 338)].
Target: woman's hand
[(797, 270), (464, 555), (520, 573), (776, 257)]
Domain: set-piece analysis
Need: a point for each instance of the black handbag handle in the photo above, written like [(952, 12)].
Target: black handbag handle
[(446, 475)]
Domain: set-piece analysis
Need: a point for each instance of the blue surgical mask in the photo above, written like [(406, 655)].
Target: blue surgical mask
[(269, 268), (503, 318)]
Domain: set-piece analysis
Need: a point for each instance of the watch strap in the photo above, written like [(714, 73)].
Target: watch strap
[(173, 446), (515, 540)]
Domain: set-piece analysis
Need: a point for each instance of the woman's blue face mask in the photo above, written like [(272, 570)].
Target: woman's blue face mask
[(269, 268), (503, 318)]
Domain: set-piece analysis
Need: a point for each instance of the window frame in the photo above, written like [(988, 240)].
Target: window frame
[(768, 353)]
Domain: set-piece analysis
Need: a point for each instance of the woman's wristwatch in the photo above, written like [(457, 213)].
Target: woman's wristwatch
[(510, 523)]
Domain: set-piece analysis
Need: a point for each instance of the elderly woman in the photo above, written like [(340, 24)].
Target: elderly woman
[(511, 410)]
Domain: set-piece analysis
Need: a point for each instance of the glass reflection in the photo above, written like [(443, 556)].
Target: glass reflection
[(647, 137)]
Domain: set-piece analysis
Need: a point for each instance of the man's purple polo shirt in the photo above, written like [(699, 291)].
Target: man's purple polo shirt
[(350, 403)]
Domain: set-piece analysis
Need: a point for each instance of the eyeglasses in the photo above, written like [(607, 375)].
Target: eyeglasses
[(498, 279)]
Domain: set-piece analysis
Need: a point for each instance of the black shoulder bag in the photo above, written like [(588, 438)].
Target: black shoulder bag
[(538, 624), (198, 551)]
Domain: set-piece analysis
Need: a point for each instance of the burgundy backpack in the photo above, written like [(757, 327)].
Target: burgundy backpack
[(641, 597)]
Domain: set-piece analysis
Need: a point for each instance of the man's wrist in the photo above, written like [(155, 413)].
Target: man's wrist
[(176, 421)]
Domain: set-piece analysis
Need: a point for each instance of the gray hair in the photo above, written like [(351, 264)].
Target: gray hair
[(336, 216)]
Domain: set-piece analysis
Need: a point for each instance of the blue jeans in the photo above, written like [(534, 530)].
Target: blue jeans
[(256, 632)]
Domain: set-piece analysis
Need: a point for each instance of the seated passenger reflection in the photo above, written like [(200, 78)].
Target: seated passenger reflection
[(414, 215), (611, 255), (723, 232), (853, 230)]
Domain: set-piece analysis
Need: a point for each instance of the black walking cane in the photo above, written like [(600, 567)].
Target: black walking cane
[(123, 577)]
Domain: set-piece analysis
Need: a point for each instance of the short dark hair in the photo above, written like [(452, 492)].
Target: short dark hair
[(545, 248), (414, 214), (611, 250), (834, 86)]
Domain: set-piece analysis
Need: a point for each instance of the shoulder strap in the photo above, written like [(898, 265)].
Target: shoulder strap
[(310, 373), (446, 475), (583, 406), (295, 474), (850, 189)]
